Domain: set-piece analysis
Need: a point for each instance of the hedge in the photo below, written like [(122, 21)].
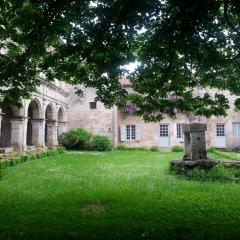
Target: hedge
[(13, 161)]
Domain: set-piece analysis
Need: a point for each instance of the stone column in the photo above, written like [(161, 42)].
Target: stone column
[(17, 134), (51, 134), (1, 121), (38, 132)]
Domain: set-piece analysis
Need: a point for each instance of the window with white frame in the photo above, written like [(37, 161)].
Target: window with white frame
[(236, 129), (220, 129), (130, 132), (164, 130), (180, 130)]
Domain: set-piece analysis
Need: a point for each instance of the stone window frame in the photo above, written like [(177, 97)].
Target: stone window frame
[(220, 129), (179, 127), (131, 132), (236, 129)]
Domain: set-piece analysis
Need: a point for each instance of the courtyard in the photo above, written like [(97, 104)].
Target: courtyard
[(114, 195)]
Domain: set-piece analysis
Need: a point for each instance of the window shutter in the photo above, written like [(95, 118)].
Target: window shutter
[(123, 133), (138, 132)]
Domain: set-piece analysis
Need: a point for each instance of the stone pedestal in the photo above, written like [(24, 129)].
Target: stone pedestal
[(38, 132), (194, 141), (17, 134), (51, 134)]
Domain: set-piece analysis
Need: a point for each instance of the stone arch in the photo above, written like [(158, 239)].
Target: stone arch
[(50, 126), (5, 139), (50, 112), (34, 123), (61, 121)]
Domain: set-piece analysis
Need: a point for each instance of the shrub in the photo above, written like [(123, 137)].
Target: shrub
[(211, 149), (218, 173), (77, 139), (122, 147), (154, 149), (177, 149), (60, 149), (101, 143)]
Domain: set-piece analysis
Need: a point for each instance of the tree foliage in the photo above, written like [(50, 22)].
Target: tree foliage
[(184, 48)]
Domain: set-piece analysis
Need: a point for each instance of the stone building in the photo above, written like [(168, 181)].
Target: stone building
[(55, 108), (38, 122), (131, 130)]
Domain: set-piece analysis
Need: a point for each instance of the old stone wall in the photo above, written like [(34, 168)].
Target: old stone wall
[(98, 120)]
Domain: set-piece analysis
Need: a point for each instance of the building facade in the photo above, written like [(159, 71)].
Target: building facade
[(131, 130), (55, 108)]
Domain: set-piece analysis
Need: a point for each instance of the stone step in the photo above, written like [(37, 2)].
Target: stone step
[(6, 150)]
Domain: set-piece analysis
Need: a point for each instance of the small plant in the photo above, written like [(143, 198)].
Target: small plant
[(218, 173), (17, 159), (211, 149), (154, 149), (177, 149), (122, 147), (101, 143)]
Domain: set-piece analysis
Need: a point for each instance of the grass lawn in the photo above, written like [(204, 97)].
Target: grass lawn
[(110, 196)]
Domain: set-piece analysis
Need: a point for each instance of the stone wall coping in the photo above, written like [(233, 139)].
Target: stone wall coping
[(20, 118), (194, 127), (40, 120)]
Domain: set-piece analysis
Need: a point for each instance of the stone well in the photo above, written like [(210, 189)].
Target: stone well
[(195, 153)]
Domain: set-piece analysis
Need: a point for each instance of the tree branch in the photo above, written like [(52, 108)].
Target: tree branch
[(227, 18)]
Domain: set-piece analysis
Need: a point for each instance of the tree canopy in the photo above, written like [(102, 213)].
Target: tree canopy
[(183, 48)]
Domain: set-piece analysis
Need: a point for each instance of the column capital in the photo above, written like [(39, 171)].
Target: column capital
[(17, 119), (37, 120)]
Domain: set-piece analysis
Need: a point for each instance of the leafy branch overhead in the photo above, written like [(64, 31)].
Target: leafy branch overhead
[(183, 48)]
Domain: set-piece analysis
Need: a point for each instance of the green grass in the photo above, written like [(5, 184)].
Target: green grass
[(110, 196)]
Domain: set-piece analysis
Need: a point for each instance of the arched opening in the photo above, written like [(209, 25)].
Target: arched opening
[(60, 122), (33, 114), (11, 127), (48, 118), (5, 138)]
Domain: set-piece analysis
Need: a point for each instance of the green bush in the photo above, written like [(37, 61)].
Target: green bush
[(78, 139), (101, 143), (60, 149), (218, 173), (177, 149), (211, 149), (124, 147), (154, 149)]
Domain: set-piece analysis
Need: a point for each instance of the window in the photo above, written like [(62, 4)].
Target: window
[(236, 129), (179, 130), (131, 132), (164, 130), (93, 105), (220, 129)]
